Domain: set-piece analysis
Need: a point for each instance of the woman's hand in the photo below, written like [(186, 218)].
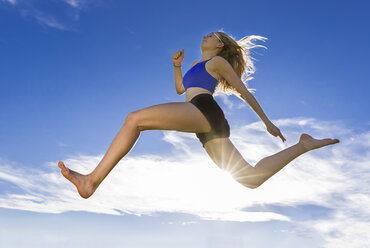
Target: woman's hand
[(178, 57), (274, 131)]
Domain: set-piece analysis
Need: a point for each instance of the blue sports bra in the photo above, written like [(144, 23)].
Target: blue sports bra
[(198, 76)]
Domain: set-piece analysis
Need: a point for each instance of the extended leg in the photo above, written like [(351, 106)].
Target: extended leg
[(179, 116), (120, 146), (227, 157)]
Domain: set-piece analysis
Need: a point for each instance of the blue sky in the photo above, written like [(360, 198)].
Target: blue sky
[(71, 70)]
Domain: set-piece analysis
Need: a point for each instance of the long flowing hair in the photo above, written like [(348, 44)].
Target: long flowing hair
[(237, 53)]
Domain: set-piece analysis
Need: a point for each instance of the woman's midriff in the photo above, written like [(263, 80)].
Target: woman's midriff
[(193, 91)]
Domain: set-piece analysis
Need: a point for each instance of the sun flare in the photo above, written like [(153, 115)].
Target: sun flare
[(227, 174)]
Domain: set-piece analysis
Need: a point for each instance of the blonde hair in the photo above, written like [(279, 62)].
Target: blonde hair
[(237, 53)]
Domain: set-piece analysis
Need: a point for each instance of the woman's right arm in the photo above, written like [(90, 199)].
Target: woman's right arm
[(177, 59), (178, 81)]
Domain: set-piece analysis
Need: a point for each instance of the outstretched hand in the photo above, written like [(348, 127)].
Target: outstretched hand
[(274, 131)]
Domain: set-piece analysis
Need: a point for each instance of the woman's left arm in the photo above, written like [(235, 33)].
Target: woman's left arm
[(225, 70)]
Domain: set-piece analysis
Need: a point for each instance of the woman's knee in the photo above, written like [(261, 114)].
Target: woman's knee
[(132, 119), (248, 184), (249, 179)]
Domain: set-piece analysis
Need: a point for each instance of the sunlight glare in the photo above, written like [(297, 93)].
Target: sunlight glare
[(227, 174)]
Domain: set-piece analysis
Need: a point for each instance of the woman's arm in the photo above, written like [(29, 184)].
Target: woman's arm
[(178, 81), (251, 100), (225, 70), (177, 59)]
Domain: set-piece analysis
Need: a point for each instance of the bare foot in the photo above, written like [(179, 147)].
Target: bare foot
[(82, 182), (310, 143)]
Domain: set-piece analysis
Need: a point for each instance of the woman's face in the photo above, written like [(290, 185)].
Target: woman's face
[(211, 40)]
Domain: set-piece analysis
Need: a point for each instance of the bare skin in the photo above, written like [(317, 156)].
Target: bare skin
[(86, 186), (185, 117)]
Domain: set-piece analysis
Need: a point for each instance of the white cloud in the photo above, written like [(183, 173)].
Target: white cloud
[(13, 2), (59, 17), (185, 180), (79, 4), (43, 19), (73, 3), (226, 100)]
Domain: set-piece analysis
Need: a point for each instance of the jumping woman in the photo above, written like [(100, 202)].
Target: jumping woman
[(220, 68)]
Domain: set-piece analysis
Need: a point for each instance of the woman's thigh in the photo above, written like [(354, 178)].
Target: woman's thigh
[(177, 116), (224, 154)]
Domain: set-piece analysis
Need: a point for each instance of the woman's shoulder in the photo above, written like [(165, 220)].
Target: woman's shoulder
[(218, 58), (217, 62), (194, 63)]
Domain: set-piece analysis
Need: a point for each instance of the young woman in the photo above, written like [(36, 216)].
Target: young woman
[(220, 68)]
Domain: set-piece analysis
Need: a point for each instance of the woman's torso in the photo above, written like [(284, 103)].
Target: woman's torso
[(193, 91)]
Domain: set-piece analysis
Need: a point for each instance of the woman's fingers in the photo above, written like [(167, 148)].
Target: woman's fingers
[(178, 55), (180, 52), (275, 131), (281, 136)]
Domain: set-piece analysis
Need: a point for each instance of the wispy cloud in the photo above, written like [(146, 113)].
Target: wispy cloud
[(230, 104), (226, 100), (58, 17), (185, 180), (74, 3), (43, 19), (13, 2)]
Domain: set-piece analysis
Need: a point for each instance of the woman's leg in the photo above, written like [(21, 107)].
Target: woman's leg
[(228, 158), (177, 116)]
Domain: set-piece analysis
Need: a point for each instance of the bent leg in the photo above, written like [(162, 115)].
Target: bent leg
[(179, 116), (227, 157), (224, 154)]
